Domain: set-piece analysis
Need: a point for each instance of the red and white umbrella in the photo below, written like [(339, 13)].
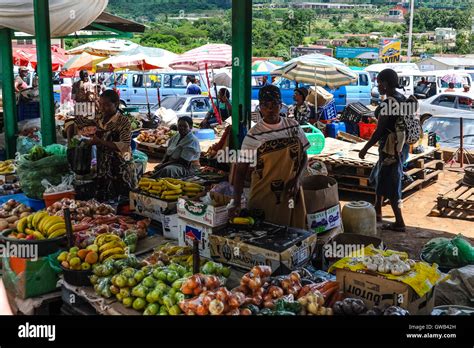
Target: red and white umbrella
[(27, 56), (215, 56)]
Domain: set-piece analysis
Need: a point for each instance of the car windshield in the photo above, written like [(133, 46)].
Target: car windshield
[(174, 103), (447, 129)]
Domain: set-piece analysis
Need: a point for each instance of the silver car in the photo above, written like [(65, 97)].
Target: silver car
[(195, 106)]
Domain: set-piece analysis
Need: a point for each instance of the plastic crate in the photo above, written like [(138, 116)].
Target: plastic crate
[(333, 129), (328, 111), (316, 139), (366, 130), (28, 111)]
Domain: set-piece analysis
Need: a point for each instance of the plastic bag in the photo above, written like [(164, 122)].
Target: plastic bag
[(64, 186), (25, 143), (80, 158), (31, 173), (449, 253), (56, 149)]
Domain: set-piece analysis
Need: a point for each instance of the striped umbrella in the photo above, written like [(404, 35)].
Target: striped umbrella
[(263, 66), (214, 56), (140, 58), (453, 78), (318, 69), (84, 61)]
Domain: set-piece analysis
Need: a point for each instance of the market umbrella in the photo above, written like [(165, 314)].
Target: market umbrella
[(140, 59), (27, 56), (104, 48), (84, 61), (318, 69), (223, 78), (263, 66), (453, 78), (212, 56)]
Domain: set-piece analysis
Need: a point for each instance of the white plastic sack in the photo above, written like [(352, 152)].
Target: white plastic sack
[(66, 16), (167, 117)]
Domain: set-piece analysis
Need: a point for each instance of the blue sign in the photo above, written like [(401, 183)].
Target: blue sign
[(357, 52)]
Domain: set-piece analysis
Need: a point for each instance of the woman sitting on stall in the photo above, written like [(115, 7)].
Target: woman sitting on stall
[(276, 146), (183, 153), (302, 111), (116, 174)]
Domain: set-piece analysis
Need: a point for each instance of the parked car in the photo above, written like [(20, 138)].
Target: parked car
[(447, 128), (175, 106), (455, 104), (131, 86), (358, 91)]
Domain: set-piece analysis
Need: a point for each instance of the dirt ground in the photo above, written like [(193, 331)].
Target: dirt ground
[(416, 210), (421, 226)]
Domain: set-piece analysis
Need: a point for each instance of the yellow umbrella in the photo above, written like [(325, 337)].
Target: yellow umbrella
[(84, 61)]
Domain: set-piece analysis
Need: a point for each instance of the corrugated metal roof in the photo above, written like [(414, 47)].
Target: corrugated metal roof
[(454, 61)]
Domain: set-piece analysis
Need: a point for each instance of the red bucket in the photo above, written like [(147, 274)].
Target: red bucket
[(366, 130), (51, 198)]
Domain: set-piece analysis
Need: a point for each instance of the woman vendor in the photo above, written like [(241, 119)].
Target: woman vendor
[(276, 148), (301, 111), (183, 153), (116, 174), (388, 172)]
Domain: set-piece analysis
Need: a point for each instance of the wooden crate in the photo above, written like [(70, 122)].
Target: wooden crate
[(457, 202), (354, 176)]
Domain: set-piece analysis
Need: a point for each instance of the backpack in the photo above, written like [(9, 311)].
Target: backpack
[(410, 120)]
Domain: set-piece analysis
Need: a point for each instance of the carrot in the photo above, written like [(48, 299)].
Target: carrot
[(328, 286)]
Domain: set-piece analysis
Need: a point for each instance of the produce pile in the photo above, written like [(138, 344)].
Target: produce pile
[(10, 214), (355, 306), (79, 259), (39, 226), (394, 264), (37, 153), (158, 136), (170, 189), (91, 219), (449, 253), (10, 189), (7, 167)]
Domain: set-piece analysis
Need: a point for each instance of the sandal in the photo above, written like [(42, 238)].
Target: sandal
[(393, 227)]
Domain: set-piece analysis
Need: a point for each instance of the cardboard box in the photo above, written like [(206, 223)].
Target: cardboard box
[(170, 226), (189, 230), (149, 206), (203, 213), (377, 290), (270, 246), (25, 278), (325, 220)]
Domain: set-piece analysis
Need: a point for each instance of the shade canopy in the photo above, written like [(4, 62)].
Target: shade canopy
[(28, 56), (215, 56), (84, 61), (105, 48), (66, 16), (139, 58), (317, 69)]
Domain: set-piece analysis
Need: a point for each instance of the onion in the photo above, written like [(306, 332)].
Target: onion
[(216, 307)]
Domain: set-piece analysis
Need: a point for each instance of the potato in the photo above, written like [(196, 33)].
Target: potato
[(12, 219), (24, 214), (3, 224)]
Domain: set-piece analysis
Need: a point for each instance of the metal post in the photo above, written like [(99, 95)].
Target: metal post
[(410, 31), (241, 63), (461, 142), (9, 101), (45, 74)]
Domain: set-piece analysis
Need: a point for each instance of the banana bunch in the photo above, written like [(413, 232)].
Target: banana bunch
[(42, 226), (7, 167), (170, 189), (111, 247)]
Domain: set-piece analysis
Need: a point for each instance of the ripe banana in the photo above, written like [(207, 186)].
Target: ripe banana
[(116, 257), (105, 238), (172, 193), (36, 219), (51, 221), (111, 245), (192, 189), (60, 226), (111, 252), (57, 233), (22, 225), (38, 235), (29, 231), (171, 186), (30, 220)]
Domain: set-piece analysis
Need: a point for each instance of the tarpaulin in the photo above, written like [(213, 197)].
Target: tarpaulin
[(66, 16)]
